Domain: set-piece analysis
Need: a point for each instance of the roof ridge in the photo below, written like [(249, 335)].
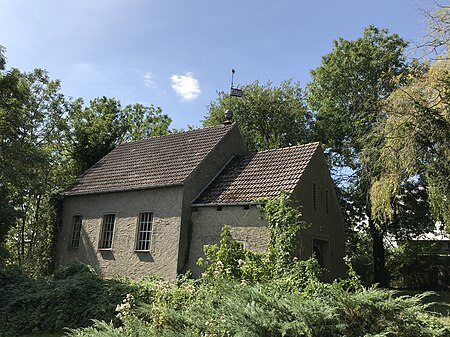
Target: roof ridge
[(175, 134), (316, 143)]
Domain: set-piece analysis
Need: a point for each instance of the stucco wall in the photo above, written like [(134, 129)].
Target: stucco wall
[(250, 225), (247, 225), (231, 144), (327, 226), (122, 259)]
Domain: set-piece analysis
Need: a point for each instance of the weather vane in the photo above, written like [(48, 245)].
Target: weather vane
[(235, 92)]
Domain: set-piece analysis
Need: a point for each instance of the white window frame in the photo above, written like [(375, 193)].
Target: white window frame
[(102, 240), (244, 244), (76, 231), (144, 235)]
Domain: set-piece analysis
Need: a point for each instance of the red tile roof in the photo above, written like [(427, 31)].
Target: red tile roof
[(165, 160), (263, 174)]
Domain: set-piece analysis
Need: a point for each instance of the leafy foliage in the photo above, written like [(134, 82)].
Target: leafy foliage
[(280, 263), (97, 129), (285, 226), (419, 265), (32, 164), (348, 88), (416, 142), (227, 308), (268, 117), (71, 298), (347, 93), (416, 131)]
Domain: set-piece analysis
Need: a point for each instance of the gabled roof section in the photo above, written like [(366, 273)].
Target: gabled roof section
[(161, 161), (257, 175)]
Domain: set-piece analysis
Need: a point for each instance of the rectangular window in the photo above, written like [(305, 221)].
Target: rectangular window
[(314, 196), (107, 231), (243, 244), (145, 228), (321, 253), (76, 230)]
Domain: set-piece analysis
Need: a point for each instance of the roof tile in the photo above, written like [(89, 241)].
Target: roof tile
[(256, 175), (148, 163)]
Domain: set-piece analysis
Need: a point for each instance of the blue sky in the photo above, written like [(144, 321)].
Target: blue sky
[(178, 54)]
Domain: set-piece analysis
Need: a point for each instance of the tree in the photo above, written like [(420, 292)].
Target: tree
[(416, 142), (416, 132), (32, 127), (269, 117), (347, 92), (98, 128), (6, 209), (438, 37)]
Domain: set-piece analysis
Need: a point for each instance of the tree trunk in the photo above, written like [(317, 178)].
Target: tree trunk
[(22, 241), (378, 251)]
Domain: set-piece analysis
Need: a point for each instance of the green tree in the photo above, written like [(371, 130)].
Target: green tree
[(98, 128), (32, 128), (347, 92), (416, 132), (269, 117), (416, 141)]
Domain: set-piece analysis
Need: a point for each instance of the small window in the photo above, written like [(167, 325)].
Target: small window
[(243, 244), (314, 196), (76, 230), (107, 231), (145, 228)]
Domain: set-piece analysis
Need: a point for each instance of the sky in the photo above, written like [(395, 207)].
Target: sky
[(179, 54)]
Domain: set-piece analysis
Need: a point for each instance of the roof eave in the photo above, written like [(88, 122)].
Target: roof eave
[(214, 204), (64, 194)]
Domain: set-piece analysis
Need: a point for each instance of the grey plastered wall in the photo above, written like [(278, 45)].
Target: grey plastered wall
[(325, 226), (247, 225), (122, 259), (231, 144)]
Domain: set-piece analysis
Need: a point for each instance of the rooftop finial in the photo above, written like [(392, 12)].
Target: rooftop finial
[(228, 116)]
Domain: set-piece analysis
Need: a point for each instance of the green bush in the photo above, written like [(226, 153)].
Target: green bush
[(418, 265), (224, 307), (71, 298), (279, 264)]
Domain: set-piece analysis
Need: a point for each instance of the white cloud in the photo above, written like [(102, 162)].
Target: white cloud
[(186, 86), (148, 81)]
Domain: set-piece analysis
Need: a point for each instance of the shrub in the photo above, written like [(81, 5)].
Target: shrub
[(223, 307), (279, 264), (71, 298), (418, 265)]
